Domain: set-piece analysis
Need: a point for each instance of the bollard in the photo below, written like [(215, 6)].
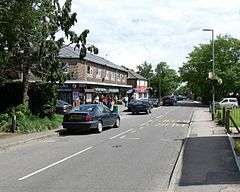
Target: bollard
[(223, 115), (13, 127), (227, 122)]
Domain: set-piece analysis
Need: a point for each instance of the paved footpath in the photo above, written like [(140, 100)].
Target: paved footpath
[(207, 162)]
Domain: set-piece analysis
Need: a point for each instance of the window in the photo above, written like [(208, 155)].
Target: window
[(113, 76), (89, 70), (118, 77), (99, 73), (107, 74)]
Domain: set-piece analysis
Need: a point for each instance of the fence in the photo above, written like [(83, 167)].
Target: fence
[(230, 118)]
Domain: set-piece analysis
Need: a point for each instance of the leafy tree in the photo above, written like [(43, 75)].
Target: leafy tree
[(195, 70), (165, 79), (28, 39), (145, 70)]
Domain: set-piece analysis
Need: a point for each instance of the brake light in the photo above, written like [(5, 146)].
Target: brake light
[(88, 118)]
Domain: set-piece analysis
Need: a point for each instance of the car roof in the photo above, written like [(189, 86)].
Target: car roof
[(230, 98)]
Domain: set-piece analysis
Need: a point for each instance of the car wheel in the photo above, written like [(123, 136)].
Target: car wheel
[(133, 113), (150, 111), (99, 127), (117, 123), (147, 111)]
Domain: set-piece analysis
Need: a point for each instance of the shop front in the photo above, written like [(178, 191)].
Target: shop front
[(79, 93)]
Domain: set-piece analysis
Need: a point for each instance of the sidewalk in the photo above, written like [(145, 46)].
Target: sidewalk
[(207, 162), (10, 140)]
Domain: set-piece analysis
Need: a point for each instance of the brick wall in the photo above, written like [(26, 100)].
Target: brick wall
[(79, 71)]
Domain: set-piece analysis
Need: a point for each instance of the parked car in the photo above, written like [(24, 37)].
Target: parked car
[(62, 107), (168, 100), (150, 101), (155, 102), (137, 106), (228, 102), (90, 116)]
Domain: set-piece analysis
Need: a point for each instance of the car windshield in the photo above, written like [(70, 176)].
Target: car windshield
[(60, 102)]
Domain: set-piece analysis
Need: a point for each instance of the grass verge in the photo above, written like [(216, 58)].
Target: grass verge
[(237, 146)]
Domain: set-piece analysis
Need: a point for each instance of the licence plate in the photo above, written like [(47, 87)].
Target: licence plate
[(75, 117)]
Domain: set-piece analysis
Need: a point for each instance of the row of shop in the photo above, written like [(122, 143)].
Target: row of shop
[(77, 93)]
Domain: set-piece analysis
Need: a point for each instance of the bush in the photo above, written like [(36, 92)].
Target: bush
[(237, 146)]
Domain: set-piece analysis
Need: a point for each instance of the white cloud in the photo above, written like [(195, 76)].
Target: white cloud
[(128, 32)]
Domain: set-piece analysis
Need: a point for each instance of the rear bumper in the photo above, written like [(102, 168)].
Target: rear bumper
[(80, 125)]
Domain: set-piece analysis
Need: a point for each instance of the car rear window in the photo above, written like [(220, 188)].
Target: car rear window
[(85, 108), (233, 100)]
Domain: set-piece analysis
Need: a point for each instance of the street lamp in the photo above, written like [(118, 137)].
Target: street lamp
[(213, 72)]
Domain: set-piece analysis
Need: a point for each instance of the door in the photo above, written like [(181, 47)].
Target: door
[(105, 117), (109, 116)]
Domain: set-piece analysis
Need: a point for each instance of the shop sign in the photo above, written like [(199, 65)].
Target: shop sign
[(89, 90), (101, 90), (114, 90)]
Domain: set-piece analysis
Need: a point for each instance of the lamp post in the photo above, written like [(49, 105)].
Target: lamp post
[(213, 72)]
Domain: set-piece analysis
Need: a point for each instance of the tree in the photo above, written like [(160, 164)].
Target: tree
[(165, 79), (145, 70), (195, 70), (28, 39)]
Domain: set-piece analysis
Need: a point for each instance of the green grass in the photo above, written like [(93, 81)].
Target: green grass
[(237, 146), (30, 124)]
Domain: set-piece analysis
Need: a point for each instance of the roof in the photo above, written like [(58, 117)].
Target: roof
[(70, 53), (133, 75)]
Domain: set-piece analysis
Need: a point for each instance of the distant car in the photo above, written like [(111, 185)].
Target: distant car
[(228, 102), (137, 106), (168, 100), (90, 116), (62, 107), (181, 97), (155, 102), (150, 101)]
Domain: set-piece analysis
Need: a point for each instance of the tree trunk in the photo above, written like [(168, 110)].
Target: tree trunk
[(26, 74)]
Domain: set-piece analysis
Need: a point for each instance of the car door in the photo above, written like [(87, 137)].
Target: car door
[(104, 116), (107, 116)]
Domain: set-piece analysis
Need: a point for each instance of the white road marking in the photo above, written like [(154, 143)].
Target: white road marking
[(173, 125), (53, 164), (141, 128), (121, 134), (182, 125), (133, 131), (150, 121), (132, 138)]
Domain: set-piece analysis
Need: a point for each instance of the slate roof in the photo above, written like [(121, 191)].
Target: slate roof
[(70, 53), (133, 75)]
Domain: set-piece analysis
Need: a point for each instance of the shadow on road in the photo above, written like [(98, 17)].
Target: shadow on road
[(208, 160)]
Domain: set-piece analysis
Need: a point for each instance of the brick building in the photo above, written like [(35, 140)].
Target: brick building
[(139, 84), (91, 77)]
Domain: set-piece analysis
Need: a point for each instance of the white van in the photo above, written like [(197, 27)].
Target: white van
[(229, 102)]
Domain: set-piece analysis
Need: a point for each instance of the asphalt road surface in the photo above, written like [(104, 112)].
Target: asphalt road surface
[(139, 156)]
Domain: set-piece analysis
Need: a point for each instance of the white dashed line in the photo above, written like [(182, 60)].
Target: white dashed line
[(121, 134), (53, 164)]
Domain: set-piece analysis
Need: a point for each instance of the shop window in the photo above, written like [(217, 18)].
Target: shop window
[(113, 76), (107, 74)]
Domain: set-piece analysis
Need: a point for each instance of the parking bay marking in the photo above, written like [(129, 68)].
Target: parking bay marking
[(53, 164), (121, 134)]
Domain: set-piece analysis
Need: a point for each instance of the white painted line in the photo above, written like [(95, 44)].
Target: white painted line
[(53, 164), (173, 125), (182, 125), (133, 131), (133, 138), (150, 121), (141, 128), (121, 134)]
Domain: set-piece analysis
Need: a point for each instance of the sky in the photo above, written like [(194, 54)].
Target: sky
[(129, 32)]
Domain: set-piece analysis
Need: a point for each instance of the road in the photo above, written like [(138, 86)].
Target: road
[(139, 156)]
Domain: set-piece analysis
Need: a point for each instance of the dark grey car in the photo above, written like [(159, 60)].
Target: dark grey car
[(90, 116)]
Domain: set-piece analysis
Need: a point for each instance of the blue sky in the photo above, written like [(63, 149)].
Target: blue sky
[(128, 32)]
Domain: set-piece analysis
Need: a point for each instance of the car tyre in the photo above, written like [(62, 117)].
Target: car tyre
[(117, 123), (99, 127)]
